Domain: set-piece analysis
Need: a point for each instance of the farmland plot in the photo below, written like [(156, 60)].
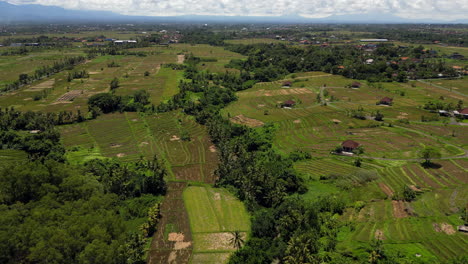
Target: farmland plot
[(214, 214)]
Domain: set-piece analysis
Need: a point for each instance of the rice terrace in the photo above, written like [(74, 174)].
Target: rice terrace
[(153, 141)]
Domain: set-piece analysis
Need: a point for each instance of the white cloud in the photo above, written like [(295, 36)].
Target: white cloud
[(437, 9)]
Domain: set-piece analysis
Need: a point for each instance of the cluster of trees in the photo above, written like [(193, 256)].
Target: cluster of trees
[(270, 62), (423, 35), (206, 36), (54, 212), (44, 71), (116, 50), (34, 132), (109, 102), (51, 212), (440, 105), (77, 75)]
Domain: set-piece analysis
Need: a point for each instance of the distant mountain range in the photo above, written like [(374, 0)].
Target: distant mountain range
[(10, 13)]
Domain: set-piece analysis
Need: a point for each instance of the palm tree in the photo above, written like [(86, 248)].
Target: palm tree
[(236, 241)]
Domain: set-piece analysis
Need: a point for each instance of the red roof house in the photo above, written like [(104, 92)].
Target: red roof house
[(349, 145), (386, 101), (288, 103)]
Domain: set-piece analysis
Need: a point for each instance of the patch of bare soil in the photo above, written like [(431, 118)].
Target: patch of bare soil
[(113, 145), (267, 94), (220, 241), (212, 148), (43, 85), (120, 155), (386, 189), (402, 115), (414, 188), (94, 72), (27, 99), (174, 138), (399, 209), (176, 237), (444, 227), (180, 58), (336, 121), (379, 235), (261, 105), (144, 143), (174, 247), (217, 196), (298, 121), (243, 120)]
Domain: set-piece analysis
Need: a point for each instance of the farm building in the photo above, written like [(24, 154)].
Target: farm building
[(124, 41), (374, 40), (288, 103), (356, 85), (349, 145), (287, 84), (462, 113), (386, 101), (463, 228), (456, 56)]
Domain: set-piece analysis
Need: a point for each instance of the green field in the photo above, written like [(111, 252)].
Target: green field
[(130, 136), (214, 213), (426, 226)]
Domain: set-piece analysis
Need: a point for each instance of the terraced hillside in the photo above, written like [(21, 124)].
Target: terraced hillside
[(322, 118)]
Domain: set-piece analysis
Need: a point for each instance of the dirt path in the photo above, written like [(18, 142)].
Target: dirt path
[(174, 215)]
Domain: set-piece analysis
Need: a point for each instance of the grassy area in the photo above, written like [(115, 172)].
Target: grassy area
[(10, 156), (213, 214)]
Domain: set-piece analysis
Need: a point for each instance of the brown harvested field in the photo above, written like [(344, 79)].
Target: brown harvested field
[(41, 86), (379, 235), (387, 190), (453, 172), (215, 241), (399, 209), (243, 120), (444, 227), (177, 247), (196, 172), (180, 58)]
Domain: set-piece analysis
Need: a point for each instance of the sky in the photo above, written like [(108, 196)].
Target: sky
[(418, 9)]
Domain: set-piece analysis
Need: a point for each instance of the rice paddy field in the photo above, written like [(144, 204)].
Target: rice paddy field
[(198, 218), (130, 136), (214, 214), (320, 120)]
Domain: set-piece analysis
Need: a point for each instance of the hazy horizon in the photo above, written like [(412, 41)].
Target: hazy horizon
[(446, 10)]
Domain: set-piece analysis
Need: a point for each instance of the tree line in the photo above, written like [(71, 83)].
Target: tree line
[(44, 71), (269, 62), (55, 212)]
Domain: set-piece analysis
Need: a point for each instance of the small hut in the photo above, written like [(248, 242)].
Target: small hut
[(356, 85), (349, 145), (287, 84), (288, 103), (386, 101)]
